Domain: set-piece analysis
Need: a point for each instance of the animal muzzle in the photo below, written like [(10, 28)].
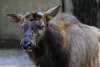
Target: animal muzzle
[(28, 42)]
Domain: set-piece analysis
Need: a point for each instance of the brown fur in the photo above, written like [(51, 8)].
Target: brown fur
[(66, 27)]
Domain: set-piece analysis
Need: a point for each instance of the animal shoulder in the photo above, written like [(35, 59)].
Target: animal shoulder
[(63, 21)]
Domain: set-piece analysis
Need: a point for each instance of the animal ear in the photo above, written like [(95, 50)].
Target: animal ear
[(14, 18), (52, 12)]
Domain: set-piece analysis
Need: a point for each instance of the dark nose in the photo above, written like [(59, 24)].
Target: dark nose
[(26, 43)]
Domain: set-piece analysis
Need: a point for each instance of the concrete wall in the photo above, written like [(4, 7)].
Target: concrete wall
[(9, 30), (68, 6)]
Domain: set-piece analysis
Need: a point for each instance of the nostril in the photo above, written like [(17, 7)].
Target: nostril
[(25, 44)]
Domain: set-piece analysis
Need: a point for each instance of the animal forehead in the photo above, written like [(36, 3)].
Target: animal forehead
[(37, 13)]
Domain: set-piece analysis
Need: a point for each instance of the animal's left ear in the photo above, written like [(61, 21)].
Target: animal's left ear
[(52, 12)]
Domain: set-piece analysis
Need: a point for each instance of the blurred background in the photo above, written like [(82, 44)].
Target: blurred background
[(87, 11)]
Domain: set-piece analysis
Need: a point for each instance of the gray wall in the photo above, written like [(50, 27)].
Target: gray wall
[(68, 6), (9, 30)]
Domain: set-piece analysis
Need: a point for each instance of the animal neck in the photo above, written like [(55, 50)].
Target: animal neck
[(51, 53)]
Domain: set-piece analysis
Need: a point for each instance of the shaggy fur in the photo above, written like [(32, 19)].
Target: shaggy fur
[(76, 46), (63, 42)]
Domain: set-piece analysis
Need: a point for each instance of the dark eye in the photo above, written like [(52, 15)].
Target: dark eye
[(31, 19), (41, 27)]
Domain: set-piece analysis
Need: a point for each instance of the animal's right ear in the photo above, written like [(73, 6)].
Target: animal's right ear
[(14, 18)]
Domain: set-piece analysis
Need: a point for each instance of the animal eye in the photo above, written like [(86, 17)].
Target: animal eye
[(40, 26), (31, 19)]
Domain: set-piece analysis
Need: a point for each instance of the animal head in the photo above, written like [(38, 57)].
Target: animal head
[(34, 25)]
